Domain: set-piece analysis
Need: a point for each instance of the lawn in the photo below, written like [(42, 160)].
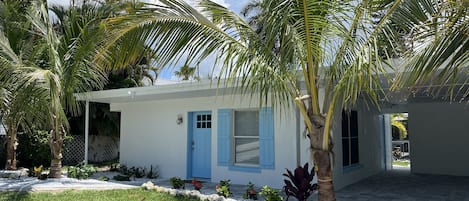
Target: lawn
[(401, 163), (78, 195)]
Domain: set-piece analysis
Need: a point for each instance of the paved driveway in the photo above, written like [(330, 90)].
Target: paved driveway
[(403, 186)]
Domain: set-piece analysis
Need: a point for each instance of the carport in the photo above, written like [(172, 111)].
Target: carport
[(401, 185)]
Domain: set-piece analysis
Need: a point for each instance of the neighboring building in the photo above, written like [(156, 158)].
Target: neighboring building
[(196, 130)]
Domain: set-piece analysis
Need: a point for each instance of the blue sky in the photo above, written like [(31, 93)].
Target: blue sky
[(205, 66)]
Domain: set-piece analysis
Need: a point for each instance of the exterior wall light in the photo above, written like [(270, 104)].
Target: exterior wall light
[(179, 119)]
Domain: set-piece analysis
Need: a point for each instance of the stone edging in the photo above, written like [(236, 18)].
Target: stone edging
[(192, 193)]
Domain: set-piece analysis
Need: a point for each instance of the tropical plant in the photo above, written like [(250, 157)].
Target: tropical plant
[(438, 61), (20, 105), (120, 177), (66, 64), (300, 184), (250, 193), (329, 47), (81, 171), (176, 182), (197, 184), (223, 188), (186, 72), (397, 123), (270, 194), (34, 148), (154, 172)]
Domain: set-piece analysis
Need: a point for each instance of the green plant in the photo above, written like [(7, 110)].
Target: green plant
[(177, 182), (197, 184), (250, 192), (120, 177), (38, 171), (103, 178), (114, 167), (299, 185), (223, 188), (34, 148), (123, 169), (138, 172), (153, 173), (81, 171), (270, 194)]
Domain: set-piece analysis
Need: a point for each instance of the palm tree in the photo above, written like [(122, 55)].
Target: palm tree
[(19, 99), (330, 45), (439, 60), (186, 72), (76, 61), (396, 121)]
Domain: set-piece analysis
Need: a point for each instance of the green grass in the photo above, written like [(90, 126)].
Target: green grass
[(401, 163), (107, 195)]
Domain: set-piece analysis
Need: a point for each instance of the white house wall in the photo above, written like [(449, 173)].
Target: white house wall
[(150, 136), (439, 137), (370, 144)]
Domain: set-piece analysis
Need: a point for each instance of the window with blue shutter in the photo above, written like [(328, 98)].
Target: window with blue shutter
[(246, 139)]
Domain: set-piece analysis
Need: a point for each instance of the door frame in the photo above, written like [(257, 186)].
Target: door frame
[(190, 135)]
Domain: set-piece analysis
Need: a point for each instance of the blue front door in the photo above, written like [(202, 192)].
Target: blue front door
[(201, 144)]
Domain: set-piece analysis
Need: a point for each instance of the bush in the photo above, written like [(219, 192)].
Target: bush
[(176, 182), (33, 149), (270, 194), (153, 173), (103, 178), (120, 177), (223, 188), (81, 171), (250, 192), (300, 184)]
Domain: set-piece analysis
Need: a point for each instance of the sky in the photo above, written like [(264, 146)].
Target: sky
[(206, 66)]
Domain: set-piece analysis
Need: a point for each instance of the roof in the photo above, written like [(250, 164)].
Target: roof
[(164, 91)]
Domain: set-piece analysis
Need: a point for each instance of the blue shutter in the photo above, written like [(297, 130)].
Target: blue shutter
[(223, 132), (266, 139)]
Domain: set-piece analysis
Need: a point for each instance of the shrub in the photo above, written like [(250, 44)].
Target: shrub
[(137, 172), (81, 171), (223, 188), (103, 178), (120, 177), (176, 182), (197, 184), (250, 192), (153, 173), (33, 149), (270, 194), (299, 184)]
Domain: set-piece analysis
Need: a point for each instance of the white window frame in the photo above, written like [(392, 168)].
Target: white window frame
[(234, 137)]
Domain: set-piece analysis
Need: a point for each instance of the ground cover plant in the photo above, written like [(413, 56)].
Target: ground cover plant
[(85, 195)]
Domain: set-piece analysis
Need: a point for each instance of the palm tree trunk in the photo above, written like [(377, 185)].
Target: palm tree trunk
[(324, 175), (322, 158), (11, 149), (55, 143)]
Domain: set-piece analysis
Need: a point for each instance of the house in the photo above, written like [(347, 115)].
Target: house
[(194, 130)]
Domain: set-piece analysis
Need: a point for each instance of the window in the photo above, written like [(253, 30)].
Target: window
[(204, 121), (246, 137), (350, 138)]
